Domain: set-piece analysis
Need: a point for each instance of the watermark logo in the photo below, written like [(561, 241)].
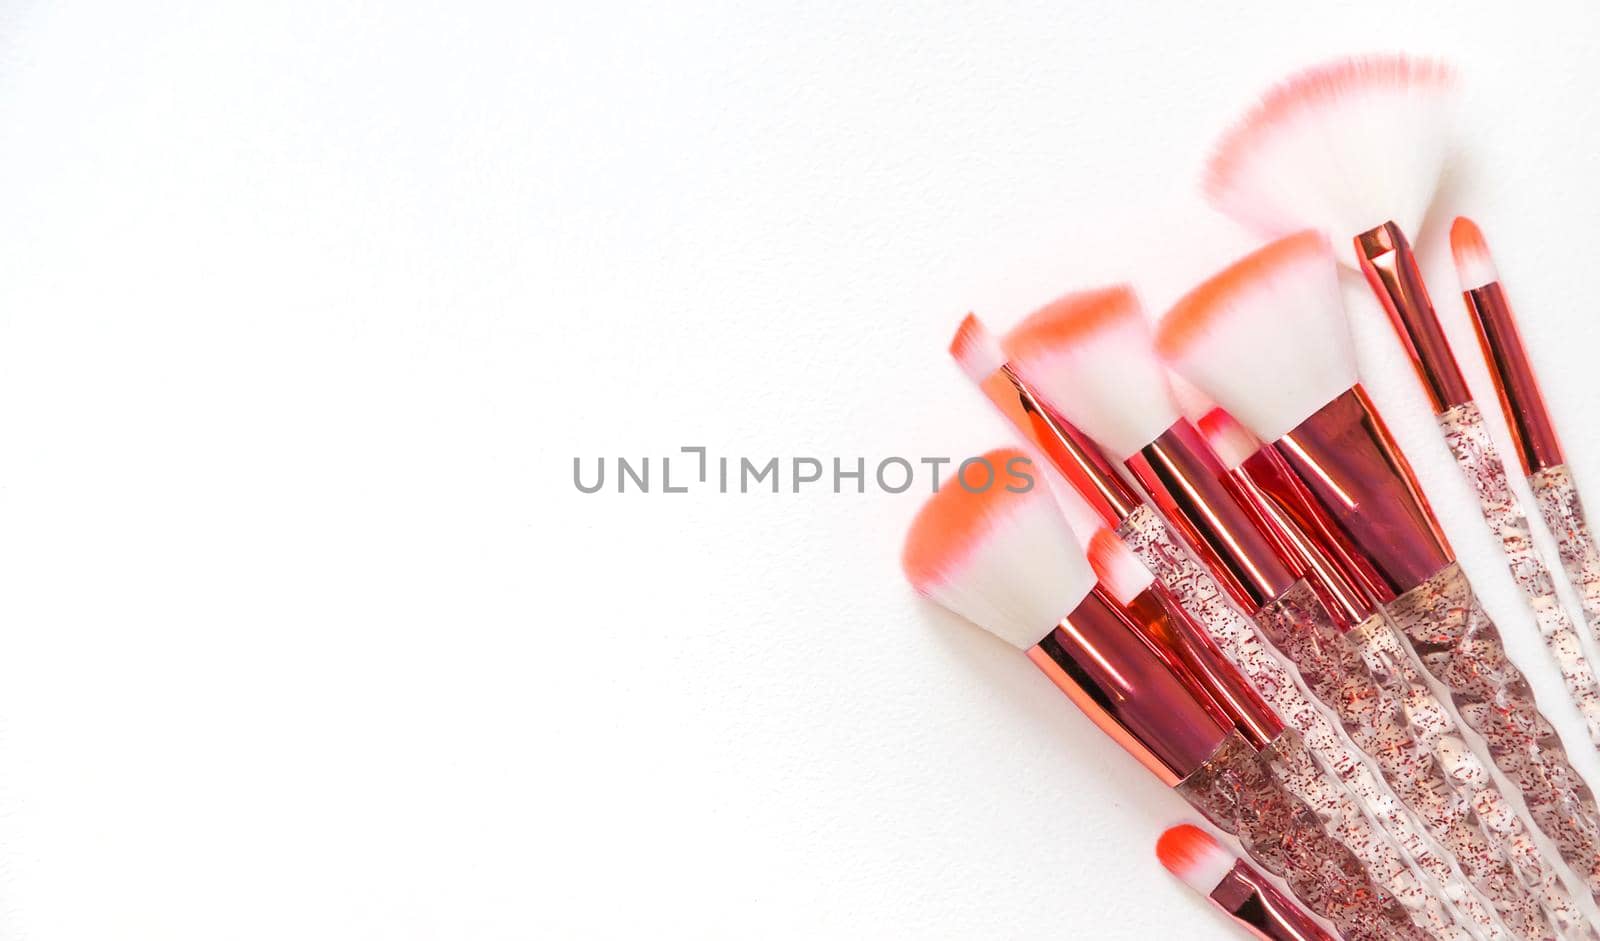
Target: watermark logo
[(695, 469)]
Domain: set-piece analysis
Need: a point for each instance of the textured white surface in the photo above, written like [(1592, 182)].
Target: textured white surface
[(307, 307)]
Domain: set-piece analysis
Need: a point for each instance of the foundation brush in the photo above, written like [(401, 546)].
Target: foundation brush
[(1008, 561), (1532, 430), (1273, 349), (1246, 896), (1082, 464), (1355, 149)]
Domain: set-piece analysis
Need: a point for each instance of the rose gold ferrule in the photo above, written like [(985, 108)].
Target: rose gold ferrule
[(1257, 905), (1139, 695), (1338, 594), (1391, 270), (1161, 619), (1188, 484), (1520, 398), (1341, 478), (1074, 456)]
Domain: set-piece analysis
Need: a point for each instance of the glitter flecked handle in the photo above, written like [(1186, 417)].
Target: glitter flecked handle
[(1237, 791), (1468, 438), (1557, 496), (1341, 790), (1369, 695), (1455, 786), (1458, 643)]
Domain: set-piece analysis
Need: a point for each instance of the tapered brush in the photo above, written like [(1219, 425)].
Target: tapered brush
[(1270, 343), (1538, 446), (1234, 886), (1008, 561), (1090, 357), (1355, 149)]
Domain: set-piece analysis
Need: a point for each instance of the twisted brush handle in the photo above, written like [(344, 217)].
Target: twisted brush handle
[(1458, 643), (1468, 438), (1332, 667), (1238, 792), (1347, 805), (1558, 501), (1433, 742)]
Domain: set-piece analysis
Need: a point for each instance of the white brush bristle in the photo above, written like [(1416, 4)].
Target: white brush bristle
[(1117, 567), (1194, 856), (1474, 265), (976, 350), (1267, 338), (1232, 442), (1090, 357), (1343, 147), (1006, 561)]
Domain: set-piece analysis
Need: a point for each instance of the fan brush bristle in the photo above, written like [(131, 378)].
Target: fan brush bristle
[(1343, 147)]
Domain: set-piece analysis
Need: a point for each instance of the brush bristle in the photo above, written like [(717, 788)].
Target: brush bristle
[(1474, 264), (1193, 403), (1230, 441), (976, 350), (1117, 567), (1007, 561), (1267, 338), (1192, 855), (1342, 147), (1090, 357)]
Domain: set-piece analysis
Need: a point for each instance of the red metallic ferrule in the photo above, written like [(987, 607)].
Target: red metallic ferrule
[(1255, 903), (1139, 695), (1391, 270), (1189, 485), (1338, 594), (1074, 456), (1341, 478), (1520, 398), (1162, 619)]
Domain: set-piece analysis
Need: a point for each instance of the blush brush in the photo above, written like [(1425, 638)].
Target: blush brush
[(1008, 561), (1355, 149), (1271, 345)]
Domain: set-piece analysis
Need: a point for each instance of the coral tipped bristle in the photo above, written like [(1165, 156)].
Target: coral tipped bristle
[(1474, 264), (976, 350), (1070, 318), (1194, 856), (950, 522), (1193, 314), (1117, 567)]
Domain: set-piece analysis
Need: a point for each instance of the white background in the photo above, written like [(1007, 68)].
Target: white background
[(306, 309)]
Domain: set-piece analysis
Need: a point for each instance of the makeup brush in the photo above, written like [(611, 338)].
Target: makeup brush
[(1233, 885), (1364, 669), (1081, 463), (1355, 149), (1091, 357), (1008, 562), (1271, 345), (1537, 445)]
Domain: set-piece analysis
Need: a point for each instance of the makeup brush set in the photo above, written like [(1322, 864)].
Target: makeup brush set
[(1241, 580)]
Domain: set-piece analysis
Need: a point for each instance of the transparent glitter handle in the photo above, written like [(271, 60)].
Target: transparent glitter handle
[(1460, 646), (1237, 791), (1557, 496), (1379, 847), (1370, 698), (1469, 441)]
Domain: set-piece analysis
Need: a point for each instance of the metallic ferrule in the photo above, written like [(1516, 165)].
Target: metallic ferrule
[(1520, 398), (1162, 619), (1257, 905), (1391, 270), (1340, 596), (1189, 485), (1074, 456), (1341, 478), (1139, 695)]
